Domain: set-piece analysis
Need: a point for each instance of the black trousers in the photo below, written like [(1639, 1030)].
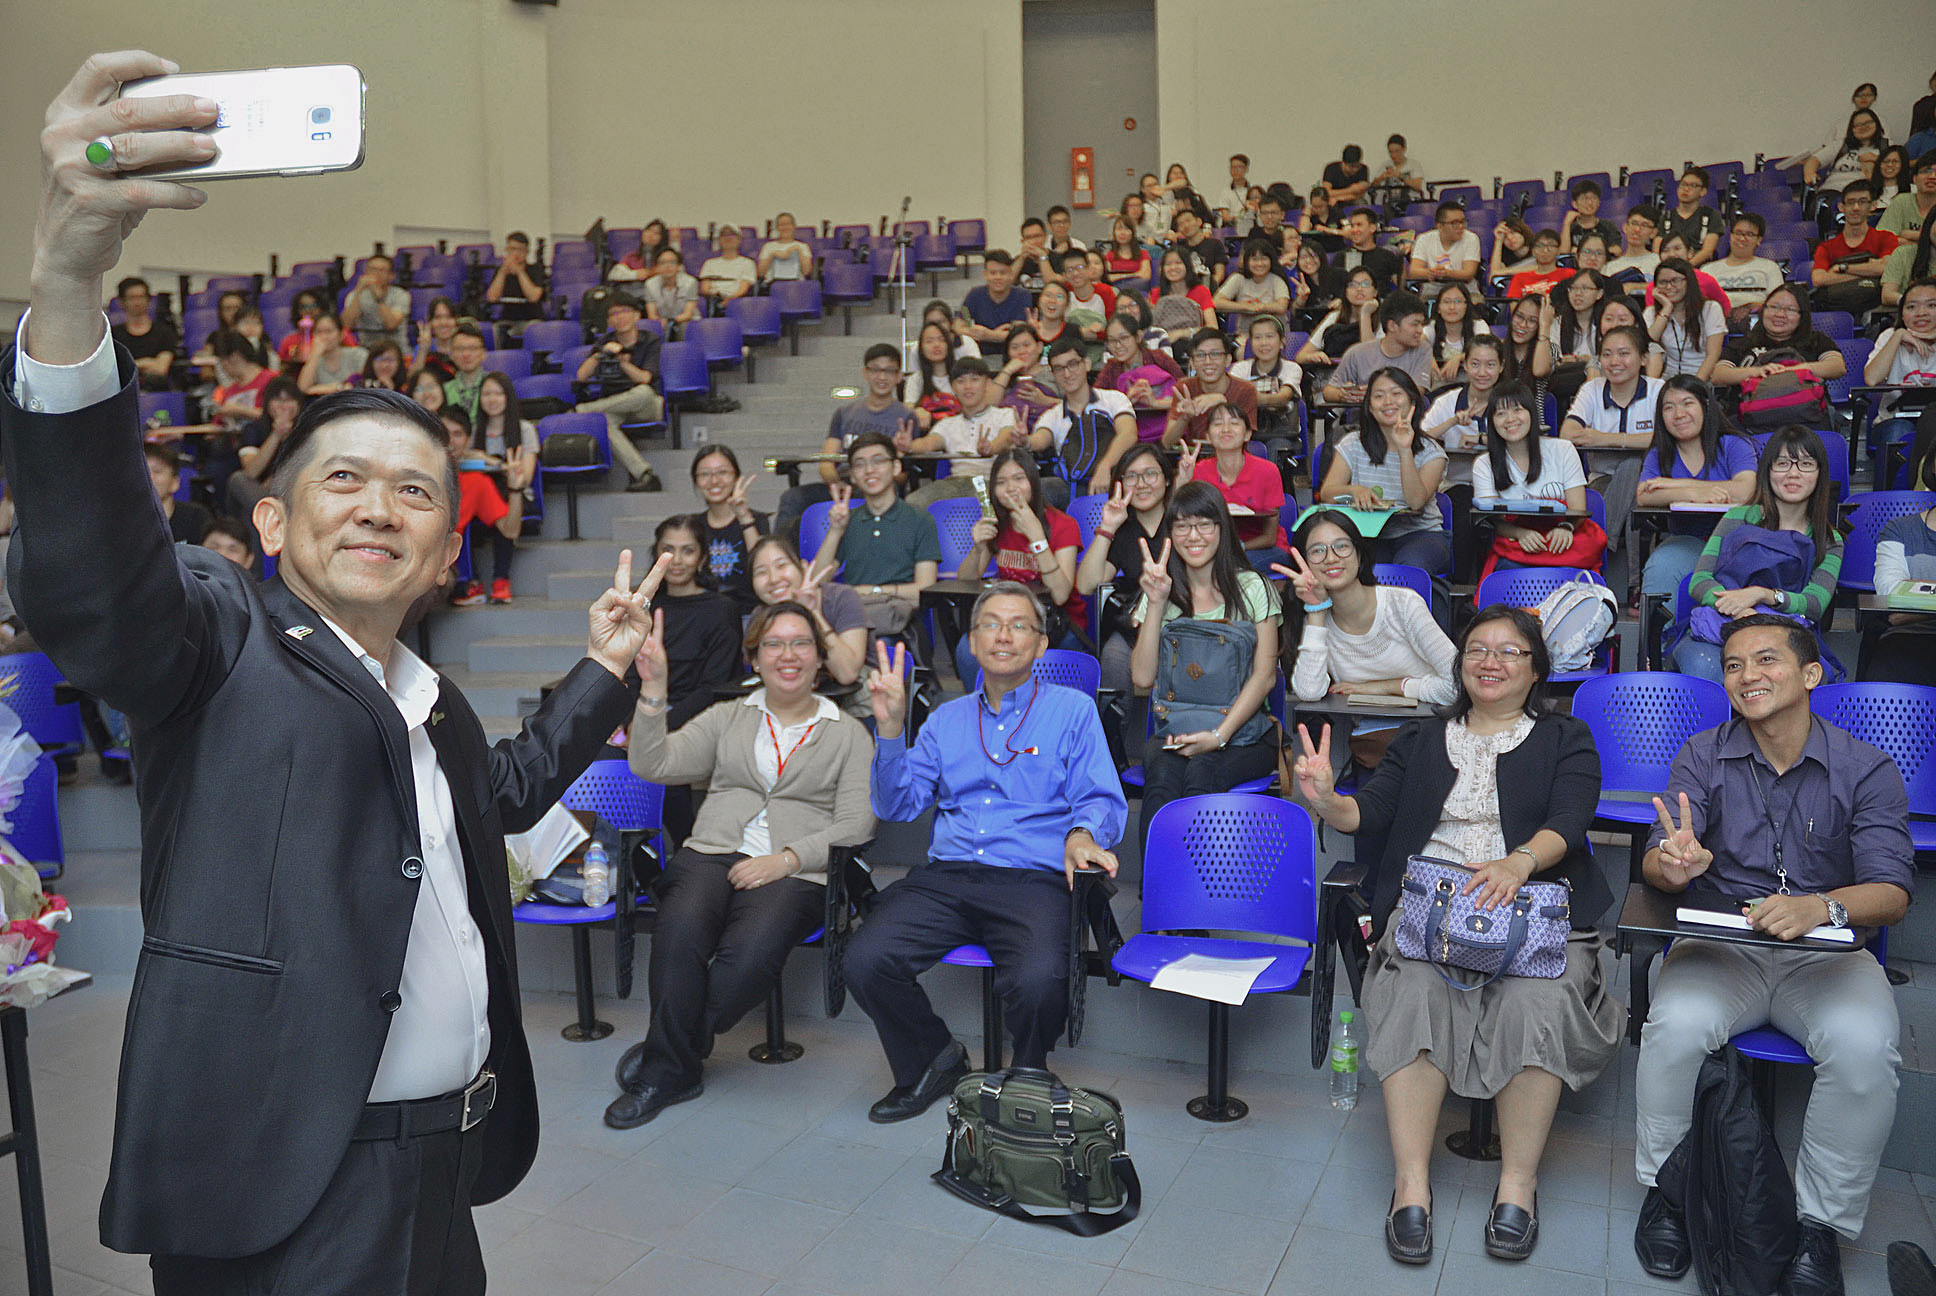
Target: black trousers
[(1167, 775), (1021, 916), (394, 1221), (716, 952)]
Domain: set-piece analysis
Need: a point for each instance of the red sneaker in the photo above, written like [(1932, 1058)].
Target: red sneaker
[(500, 590), (469, 594)]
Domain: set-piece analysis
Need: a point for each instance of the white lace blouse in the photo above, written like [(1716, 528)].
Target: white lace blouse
[(1468, 831)]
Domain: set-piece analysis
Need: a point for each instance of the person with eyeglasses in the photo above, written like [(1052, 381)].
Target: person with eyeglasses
[(786, 777), (891, 550), (1506, 787), (1389, 463), (1782, 554), (878, 410), (1088, 430), (1031, 543), (733, 527), (1795, 824), (1024, 795), (1132, 521), (1847, 273), (1200, 572), (1783, 337)]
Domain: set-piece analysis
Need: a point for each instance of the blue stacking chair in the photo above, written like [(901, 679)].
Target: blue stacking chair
[(932, 254), (813, 528), (1639, 721), (760, 323), (570, 478), (171, 403), (1526, 587), (36, 830), (955, 520), (609, 789), (799, 301), (1132, 774), (1404, 576), (553, 386), (846, 285), (719, 340), (1066, 667), (969, 235), (1086, 510), (1869, 512), (542, 338), (515, 363), (1901, 720), (682, 372), (27, 683), (1231, 863)]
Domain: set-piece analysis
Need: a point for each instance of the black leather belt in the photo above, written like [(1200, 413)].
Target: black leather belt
[(423, 1116)]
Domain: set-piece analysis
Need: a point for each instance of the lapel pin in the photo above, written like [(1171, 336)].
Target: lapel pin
[(436, 717), (299, 633)]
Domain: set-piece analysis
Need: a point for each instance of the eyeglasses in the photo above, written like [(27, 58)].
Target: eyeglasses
[(1073, 365), (1510, 654), (871, 461), (1209, 353), (1147, 477), (715, 474), (885, 371), (1338, 549), (1787, 465), (1017, 629), (777, 646), (1193, 526)]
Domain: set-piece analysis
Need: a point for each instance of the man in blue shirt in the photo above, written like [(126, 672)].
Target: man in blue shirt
[(1024, 794)]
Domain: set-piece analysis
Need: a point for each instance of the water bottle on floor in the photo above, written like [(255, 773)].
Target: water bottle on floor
[(598, 889), (1344, 1064)]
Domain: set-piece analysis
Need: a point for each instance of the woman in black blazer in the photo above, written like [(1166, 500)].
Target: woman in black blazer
[(1507, 788)]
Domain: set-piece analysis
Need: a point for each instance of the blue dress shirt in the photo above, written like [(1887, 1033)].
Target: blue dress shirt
[(993, 809)]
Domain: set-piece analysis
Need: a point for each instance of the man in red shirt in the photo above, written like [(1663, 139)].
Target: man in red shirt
[(1546, 270), (1209, 386), (1848, 264)]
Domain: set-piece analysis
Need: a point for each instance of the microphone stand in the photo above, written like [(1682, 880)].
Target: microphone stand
[(897, 270)]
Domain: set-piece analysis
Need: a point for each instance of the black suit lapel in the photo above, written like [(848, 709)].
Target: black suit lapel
[(453, 734)]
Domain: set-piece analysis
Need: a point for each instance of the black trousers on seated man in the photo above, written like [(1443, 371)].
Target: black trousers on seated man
[(394, 1221), (1020, 916)]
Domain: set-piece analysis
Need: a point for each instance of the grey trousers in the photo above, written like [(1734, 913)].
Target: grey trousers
[(1838, 1006), (635, 403)]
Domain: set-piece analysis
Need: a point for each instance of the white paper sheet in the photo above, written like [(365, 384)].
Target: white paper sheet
[(1204, 976), (1739, 922)]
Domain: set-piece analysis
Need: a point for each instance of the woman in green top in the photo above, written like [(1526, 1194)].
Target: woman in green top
[(1200, 572), (1793, 492)]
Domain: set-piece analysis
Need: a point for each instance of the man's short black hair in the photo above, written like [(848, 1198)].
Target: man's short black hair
[(518, 236), (1032, 220), (230, 527), (1271, 200), (1241, 157), (1647, 212), (1548, 236), (1399, 305), (1699, 173), (165, 455), (1396, 139), (1801, 640), (1057, 210), (1750, 218), (1203, 335), (882, 351), (998, 256), (1439, 212), (455, 416), (467, 329), (869, 439), (1066, 345), (1365, 212), (226, 344), (1579, 187), (132, 281), (376, 402), (1352, 155), (967, 365), (1862, 185), (1924, 163)]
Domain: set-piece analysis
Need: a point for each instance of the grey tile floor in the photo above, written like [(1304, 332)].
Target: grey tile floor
[(774, 1182)]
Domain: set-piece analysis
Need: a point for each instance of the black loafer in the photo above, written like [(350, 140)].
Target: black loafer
[(1660, 1238), (632, 1109), (1910, 1272), (1816, 1269), (1408, 1233), (905, 1102), (1511, 1231)]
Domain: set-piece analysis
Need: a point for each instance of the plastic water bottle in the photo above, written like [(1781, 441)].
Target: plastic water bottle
[(1344, 1064), (598, 889)]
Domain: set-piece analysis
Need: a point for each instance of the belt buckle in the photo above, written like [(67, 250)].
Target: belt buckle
[(479, 1096)]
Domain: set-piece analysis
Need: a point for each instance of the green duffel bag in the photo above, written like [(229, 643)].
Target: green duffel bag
[(1023, 1144)]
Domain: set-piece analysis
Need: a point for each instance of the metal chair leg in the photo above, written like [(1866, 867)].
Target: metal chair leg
[(776, 1049), (24, 1143), (1218, 1105), (991, 1023), (1476, 1142), (587, 1028)]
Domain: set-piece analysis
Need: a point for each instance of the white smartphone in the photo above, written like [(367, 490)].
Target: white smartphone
[(286, 121)]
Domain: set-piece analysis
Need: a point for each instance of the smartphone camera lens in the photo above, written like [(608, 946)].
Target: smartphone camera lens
[(319, 116)]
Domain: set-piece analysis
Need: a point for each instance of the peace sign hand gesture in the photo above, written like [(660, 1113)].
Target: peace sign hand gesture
[(742, 511), (1156, 576), (620, 619), (841, 513), (1682, 857), (1186, 461), (808, 595), (1315, 780), (1304, 581), (652, 660), (1115, 509), (887, 690)]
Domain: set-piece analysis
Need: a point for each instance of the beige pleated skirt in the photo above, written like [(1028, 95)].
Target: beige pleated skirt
[(1481, 1039)]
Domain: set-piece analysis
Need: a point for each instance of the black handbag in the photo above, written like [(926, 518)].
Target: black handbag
[(569, 450)]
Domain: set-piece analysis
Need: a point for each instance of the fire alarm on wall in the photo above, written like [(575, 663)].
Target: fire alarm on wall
[(1129, 123)]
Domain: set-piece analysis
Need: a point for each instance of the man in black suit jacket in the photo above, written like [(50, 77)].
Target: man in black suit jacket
[(324, 1066)]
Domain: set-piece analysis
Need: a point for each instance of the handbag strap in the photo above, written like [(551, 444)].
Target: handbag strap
[(1435, 927)]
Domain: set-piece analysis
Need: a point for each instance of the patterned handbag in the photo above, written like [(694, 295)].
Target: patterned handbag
[(1441, 925)]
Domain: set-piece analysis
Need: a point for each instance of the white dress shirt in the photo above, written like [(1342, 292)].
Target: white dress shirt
[(440, 1035)]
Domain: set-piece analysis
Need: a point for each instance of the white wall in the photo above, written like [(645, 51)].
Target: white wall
[(485, 115), (1523, 87)]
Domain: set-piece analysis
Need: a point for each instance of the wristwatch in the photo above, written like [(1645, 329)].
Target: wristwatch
[(877, 591), (1838, 913), (1038, 546)]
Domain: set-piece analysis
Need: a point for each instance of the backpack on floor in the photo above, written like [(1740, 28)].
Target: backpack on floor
[(1023, 1144), (1575, 619), (1728, 1180)]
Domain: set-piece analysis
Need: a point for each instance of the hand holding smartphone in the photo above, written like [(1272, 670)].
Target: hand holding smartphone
[(272, 121)]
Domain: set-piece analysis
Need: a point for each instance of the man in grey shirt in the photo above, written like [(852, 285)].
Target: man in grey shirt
[(377, 310), (1401, 345), (1785, 818)]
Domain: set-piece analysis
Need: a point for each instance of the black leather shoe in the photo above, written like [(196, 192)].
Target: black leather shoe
[(1408, 1233), (1910, 1272), (905, 1102), (1816, 1269), (632, 1109), (1511, 1231), (628, 1071), (1660, 1238)]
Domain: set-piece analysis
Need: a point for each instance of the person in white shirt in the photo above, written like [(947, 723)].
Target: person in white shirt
[(1446, 253), (1231, 203), (1689, 327), (1637, 259), (1520, 464), (1747, 279), (784, 257), (729, 275), (1089, 429), (1612, 421), (1402, 180), (971, 438)]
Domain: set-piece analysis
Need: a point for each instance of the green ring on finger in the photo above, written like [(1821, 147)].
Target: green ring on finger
[(100, 153)]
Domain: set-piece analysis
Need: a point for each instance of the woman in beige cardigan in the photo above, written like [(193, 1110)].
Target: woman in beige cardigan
[(786, 778)]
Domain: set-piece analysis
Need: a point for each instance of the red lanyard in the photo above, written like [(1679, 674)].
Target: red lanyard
[(780, 757), (1013, 750)]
